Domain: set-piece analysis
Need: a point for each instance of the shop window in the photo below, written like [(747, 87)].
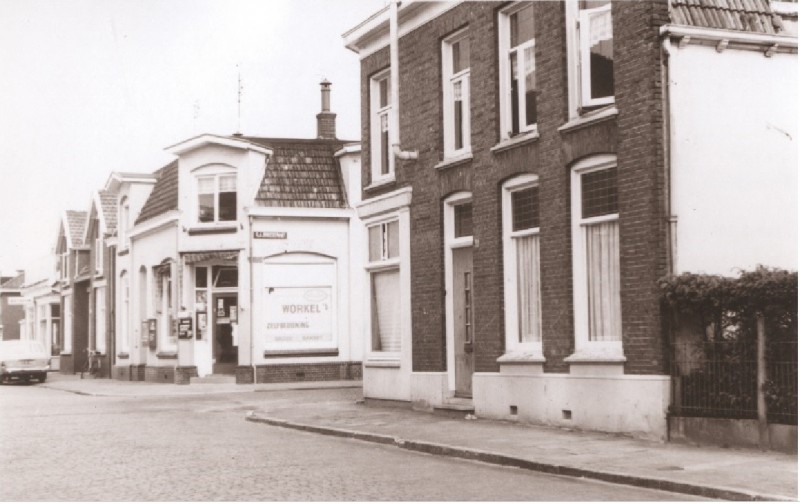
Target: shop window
[(225, 276), (382, 160), (517, 61), (595, 235), (590, 43), (384, 271), (455, 87), (216, 198), (521, 263)]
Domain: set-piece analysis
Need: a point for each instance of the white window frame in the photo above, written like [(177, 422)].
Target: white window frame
[(376, 112), (532, 349), (383, 264), (449, 81), (100, 319), (450, 243), (578, 51), (215, 172), (122, 227), (585, 349), (98, 256), (123, 333), (166, 340), (505, 49)]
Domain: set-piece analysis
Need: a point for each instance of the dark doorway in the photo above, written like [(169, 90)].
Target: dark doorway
[(226, 319)]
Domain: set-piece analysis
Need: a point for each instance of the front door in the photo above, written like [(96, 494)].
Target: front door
[(463, 320), (226, 350)]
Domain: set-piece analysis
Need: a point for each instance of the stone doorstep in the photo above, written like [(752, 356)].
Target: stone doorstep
[(522, 463), (213, 378), (456, 407)]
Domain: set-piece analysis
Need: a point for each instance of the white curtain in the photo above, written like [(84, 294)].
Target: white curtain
[(602, 268), (528, 299), (386, 311)]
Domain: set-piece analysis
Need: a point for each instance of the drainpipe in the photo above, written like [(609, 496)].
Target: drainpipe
[(672, 220), (252, 299), (394, 130)]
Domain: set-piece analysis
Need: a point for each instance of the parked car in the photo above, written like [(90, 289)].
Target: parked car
[(23, 360)]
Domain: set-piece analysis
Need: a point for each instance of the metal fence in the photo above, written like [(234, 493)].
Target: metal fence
[(718, 379)]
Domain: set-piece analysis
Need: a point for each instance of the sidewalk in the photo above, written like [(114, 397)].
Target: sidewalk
[(732, 474), (116, 388)]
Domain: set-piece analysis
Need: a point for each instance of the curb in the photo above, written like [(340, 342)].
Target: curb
[(511, 461), (319, 386)]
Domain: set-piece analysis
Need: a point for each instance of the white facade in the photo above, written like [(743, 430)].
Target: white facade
[(733, 158)]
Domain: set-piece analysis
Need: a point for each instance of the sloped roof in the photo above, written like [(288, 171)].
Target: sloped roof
[(76, 222), (754, 16), (108, 202), (164, 196), (14, 283), (301, 174)]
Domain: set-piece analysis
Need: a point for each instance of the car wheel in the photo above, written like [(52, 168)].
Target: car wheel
[(26, 380), (43, 378)]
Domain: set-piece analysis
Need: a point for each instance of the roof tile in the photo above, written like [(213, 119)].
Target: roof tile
[(76, 221), (164, 196), (754, 16)]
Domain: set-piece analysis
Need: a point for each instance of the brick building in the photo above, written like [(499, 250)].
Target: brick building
[(12, 312), (517, 226)]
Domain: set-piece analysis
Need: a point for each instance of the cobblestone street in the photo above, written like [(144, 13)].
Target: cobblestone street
[(62, 446)]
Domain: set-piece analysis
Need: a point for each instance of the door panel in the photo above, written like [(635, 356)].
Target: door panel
[(463, 307), (226, 350)]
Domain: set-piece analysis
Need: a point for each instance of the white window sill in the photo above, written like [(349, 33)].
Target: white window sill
[(382, 182), (518, 140), (527, 356), (200, 229), (373, 362), (454, 161), (600, 355), (590, 118)]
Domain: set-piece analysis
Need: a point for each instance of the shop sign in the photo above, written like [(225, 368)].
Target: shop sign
[(270, 235), (299, 315), (18, 301)]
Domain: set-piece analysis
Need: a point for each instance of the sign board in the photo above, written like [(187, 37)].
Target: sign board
[(299, 315), (270, 235), (185, 328), (18, 301)]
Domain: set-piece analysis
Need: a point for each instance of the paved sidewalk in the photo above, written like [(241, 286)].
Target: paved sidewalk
[(734, 474), (117, 388), (721, 473)]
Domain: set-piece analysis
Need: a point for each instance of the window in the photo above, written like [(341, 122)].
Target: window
[(55, 325), (384, 271), (518, 93), (67, 347), (124, 312), (122, 227), (65, 265), (590, 44), (216, 198), (455, 86), (520, 201), (225, 276), (98, 255), (167, 339), (595, 236), (382, 160), (100, 319)]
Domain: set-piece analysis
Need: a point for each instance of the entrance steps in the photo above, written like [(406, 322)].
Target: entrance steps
[(214, 378), (456, 407)]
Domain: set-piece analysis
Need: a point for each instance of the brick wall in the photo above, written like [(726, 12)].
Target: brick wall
[(635, 136), (159, 374), (122, 373), (284, 373)]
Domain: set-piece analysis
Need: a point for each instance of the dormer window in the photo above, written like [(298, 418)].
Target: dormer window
[(216, 198)]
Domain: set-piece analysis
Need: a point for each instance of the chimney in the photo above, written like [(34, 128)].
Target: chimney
[(326, 120)]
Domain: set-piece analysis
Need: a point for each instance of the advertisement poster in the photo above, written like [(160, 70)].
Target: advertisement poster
[(299, 315)]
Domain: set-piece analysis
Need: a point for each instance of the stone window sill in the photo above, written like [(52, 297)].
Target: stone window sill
[(589, 118), (454, 161), (167, 355), (382, 363), (522, 357), (381, 183), (597, 356), (516, 141), (314, 352), (123, 355)]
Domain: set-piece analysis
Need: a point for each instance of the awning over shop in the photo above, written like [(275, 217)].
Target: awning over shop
[(218, 255)]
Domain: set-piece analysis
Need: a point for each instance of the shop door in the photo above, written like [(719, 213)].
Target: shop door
[(226, 350), (463, 320)]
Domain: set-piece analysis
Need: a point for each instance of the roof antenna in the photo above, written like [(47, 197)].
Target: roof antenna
[(239, 103)]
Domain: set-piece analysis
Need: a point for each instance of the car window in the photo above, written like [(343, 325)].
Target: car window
[(16, 347)]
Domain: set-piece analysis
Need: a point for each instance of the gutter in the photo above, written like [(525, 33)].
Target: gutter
[(722, 39)]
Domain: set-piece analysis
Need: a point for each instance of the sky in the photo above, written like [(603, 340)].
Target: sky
[(88, 87)]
